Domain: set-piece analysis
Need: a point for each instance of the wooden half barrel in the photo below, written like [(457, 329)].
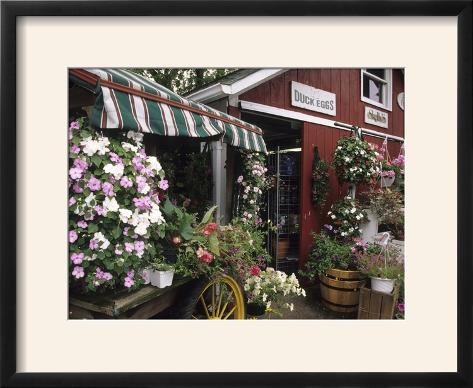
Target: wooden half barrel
[(340, 290)]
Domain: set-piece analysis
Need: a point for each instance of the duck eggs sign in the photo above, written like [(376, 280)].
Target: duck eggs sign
[(307, 97), (376, 117)]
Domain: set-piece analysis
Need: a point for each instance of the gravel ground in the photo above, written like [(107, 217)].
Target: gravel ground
[(310, 307)]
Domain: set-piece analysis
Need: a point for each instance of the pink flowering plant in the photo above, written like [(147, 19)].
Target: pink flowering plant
[(345, 218), (355, 160), (114, 212), (251, 185)]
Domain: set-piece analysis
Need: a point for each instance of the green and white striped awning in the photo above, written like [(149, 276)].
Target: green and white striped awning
[(127, 101)]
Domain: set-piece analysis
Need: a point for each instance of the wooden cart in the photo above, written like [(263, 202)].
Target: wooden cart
[(219, 298)]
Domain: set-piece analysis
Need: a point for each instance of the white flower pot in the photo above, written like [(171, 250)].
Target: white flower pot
[(161, 279), (369, 227), (387, 181), (382, 285)]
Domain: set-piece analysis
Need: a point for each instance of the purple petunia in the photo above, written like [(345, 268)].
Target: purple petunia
[(107, 188), (82, 224), (139, 247), (72, 201), (94, 184), (74, 125), (163, 184), (125, 182), (93, 244), (77, 189), (80, 164), (115, 158), (143, 203), (77, 258), (78, 272), (129, 247), (75, 173), (72, 236), (75, 149)]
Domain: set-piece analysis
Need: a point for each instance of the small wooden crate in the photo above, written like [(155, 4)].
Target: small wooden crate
[(377, 305)]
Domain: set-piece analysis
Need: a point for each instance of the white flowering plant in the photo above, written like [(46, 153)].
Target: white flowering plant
[(115, 218), (355, 160), (267, 288), (345, 217), (251, 184)]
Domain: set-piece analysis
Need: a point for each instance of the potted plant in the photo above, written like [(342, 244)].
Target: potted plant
[(383, 264), (161, 273), (266, 289), (386, 206), (334, 262)]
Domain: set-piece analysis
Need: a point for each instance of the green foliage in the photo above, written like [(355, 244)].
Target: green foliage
[(327, 253), (182, 81), (178, 221), (320, 179)]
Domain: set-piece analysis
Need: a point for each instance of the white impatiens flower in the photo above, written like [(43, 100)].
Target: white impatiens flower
[(136, 136), (90, 147), (353, 210), (154, 164), (144, 189), (125, 215), (155, 215), (90, 200), (129, 147), (110, 205), (99, 237), (115, 169)]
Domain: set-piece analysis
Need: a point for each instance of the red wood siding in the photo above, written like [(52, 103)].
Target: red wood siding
[(345, 83)]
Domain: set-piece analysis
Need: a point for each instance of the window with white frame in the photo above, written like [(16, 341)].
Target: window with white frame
[(376, 87)]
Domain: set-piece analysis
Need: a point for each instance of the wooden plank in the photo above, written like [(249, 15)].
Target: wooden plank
[(375, 305), (154, 306), (115, 304), (79, 313), (389, 304), (344, 95), (276, 91), (364, 305)]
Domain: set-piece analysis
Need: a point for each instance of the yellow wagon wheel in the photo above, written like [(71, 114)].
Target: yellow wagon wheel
[(221, 298)]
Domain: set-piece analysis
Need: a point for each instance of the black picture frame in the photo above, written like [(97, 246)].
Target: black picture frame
[(10, 10)]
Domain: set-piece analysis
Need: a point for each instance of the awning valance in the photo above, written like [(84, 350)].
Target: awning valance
[(128, 101)]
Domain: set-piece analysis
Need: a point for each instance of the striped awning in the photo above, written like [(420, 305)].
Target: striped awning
[(128, 101)]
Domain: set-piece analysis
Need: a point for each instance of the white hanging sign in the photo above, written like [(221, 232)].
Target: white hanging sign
[(307, 97), (376, 117)]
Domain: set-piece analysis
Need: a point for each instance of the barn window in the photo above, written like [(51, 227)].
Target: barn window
[(376, 87)]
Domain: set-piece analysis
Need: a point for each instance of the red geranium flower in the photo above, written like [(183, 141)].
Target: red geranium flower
[(255, 270), (204, 256), (210, 228)]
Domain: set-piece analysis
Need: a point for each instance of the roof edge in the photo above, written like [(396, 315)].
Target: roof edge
[(219, 90)]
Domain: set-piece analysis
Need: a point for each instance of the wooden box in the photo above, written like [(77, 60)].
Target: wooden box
[(377, 305)]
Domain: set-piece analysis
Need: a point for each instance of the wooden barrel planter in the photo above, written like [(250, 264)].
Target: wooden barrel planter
[(340, 290)]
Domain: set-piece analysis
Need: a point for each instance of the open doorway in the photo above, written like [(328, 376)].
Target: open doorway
[(282, 208)]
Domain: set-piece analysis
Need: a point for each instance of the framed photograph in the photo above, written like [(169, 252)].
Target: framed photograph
[(299, 170)]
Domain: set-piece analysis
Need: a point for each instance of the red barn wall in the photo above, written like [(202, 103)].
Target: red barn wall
[(346, 84)]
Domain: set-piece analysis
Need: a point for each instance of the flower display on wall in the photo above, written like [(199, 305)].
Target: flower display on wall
[(345, 217), (355, 160), (252, 184), (320, 179), (114, 195)]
